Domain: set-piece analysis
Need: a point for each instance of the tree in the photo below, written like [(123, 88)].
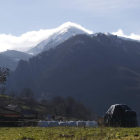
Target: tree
[(13, 94), (27, 92), (2, 98), (2, 91), (70, 107), (3, 73), (58, 105)]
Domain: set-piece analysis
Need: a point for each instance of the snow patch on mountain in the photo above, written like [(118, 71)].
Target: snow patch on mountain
[(113, 34), (59, 35), (132, 36)]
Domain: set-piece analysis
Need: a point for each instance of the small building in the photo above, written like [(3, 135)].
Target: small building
[(14, 107), (10, 117), (6, 112)]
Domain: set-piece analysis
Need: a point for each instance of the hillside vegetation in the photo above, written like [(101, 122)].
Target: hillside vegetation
[(25, 103)]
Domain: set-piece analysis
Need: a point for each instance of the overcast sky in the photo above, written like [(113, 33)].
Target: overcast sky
[(21, 17)]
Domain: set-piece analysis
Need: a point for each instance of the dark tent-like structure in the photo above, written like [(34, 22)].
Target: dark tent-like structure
[(120, 115)]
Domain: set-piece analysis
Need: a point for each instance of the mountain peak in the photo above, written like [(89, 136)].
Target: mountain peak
[(58, 35), (71, 25)]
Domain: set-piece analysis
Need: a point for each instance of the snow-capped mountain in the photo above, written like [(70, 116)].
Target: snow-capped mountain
[(62, 33)]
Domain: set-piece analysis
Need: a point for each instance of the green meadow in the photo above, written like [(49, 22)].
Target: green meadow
[(69, 133)]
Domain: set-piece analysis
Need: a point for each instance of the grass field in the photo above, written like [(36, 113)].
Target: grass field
[(68, 133)]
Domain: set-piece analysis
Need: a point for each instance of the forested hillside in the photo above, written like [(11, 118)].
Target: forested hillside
[(98, 70)]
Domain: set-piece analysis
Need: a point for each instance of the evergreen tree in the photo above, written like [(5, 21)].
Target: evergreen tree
[(3, 73)]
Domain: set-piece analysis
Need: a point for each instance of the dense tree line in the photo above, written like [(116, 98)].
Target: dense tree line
[(68, 107)]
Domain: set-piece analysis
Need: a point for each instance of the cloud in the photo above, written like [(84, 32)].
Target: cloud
[(31, 38), (131, 36)]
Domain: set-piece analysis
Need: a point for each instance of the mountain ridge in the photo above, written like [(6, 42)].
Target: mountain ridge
[(11, 58), (16, 54)]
